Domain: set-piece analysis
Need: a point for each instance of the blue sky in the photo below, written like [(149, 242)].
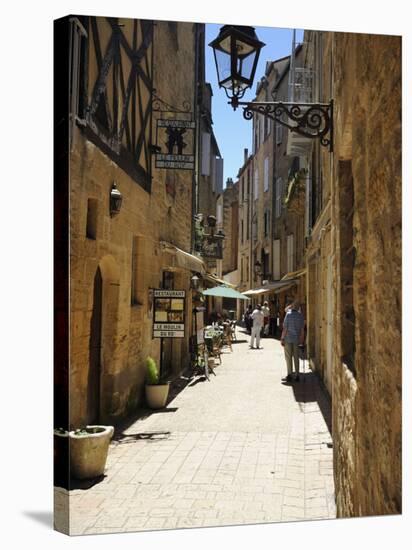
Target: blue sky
[(234, 133)]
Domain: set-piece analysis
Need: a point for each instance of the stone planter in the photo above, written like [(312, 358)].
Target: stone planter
[(88, 451), (157, 394)]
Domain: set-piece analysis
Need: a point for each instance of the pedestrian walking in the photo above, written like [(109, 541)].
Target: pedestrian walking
[(257, 317), (266, 314), (293, 335), (248, 319)]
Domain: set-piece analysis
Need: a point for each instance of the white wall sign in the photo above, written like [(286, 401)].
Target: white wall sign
[(169, 313)]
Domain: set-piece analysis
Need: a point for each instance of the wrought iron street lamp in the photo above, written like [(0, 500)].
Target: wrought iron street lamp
[(236, 51), (194, 282)]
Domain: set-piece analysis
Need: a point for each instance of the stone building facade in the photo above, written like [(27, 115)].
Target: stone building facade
[(271, 233), (354, 265), (122, 70), (230, 227)]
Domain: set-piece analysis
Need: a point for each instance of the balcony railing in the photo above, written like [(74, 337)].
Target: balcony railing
[(301, 85), (300, 91)]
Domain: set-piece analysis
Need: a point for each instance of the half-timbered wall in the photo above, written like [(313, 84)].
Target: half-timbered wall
[(119, 62)]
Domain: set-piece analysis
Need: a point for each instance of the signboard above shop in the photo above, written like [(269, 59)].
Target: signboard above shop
[(169, 313), (175, 144)]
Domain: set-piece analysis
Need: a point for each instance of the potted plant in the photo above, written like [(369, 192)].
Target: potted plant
[(157, 391), (89, 447)]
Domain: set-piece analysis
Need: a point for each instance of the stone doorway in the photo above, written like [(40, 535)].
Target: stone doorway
[(94, 376), (103, 342)]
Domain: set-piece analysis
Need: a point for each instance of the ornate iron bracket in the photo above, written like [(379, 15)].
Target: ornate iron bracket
[(161, 106), (312, 120)]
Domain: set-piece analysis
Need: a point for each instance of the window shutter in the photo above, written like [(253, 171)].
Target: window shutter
[(262, 128), (279, 134), (279, 189), (213, 172), (290, 252), (218, 175), (256, 190), (266, 175), (205, 154), (276, 259)]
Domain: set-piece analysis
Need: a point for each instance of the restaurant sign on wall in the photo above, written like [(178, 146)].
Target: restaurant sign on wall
[(169, 313)]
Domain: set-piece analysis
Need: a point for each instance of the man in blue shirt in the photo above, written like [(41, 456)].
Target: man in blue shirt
[(293, 335)]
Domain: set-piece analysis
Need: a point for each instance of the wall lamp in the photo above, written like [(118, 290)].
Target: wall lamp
[(116, 199)]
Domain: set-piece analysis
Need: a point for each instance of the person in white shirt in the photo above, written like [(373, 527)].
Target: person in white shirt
[(266, 314), (258, 318)]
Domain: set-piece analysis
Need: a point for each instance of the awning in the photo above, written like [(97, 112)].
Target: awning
[(275, 287), (183, 259), (224, 292), (216, 281), (294, 274)]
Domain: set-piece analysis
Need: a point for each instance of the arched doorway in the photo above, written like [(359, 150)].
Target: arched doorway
[(103, 343), (95, 345)]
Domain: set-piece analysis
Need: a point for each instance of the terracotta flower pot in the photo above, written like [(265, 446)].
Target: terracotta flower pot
[(88, 451), (156, 395)]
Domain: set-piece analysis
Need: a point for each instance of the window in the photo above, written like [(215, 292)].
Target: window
[(91, 223), (279, 193), (267, 126), (77, 63), (137, 279), (262, 128), (256, 182), (347, 264), (78, 37), (279, 134), (241, 231), (267, 222), (290, 253), (266, 175), (276, 259)]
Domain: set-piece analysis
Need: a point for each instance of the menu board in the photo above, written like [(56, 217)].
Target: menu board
[(169, 313)]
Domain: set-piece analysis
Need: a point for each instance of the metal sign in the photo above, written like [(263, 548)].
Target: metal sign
[(169, 313), (212, 247), (177, 136), (182, 162)]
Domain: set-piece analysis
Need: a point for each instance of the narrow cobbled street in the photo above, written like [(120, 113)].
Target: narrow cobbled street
[(242, 448)]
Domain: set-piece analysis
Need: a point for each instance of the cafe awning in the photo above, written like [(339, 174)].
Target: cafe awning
[(216, 281), (275, 287), (183, 259), (294, 274), (224, 292)]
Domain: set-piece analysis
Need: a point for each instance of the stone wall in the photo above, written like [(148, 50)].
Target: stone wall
[(163, 214), (367, 395)]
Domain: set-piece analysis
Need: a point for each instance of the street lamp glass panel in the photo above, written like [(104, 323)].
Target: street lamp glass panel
[(222, 60)]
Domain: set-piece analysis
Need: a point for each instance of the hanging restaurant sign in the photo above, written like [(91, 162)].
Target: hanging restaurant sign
[(212, 247), (175, 144), (169, 313)]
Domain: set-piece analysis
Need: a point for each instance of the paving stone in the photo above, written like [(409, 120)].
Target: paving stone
[(219, 466)]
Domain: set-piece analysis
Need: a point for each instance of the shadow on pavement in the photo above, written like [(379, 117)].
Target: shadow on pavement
[(311, 389), (85, 484)]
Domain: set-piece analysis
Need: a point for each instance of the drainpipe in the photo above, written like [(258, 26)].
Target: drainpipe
[(196, 113)]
